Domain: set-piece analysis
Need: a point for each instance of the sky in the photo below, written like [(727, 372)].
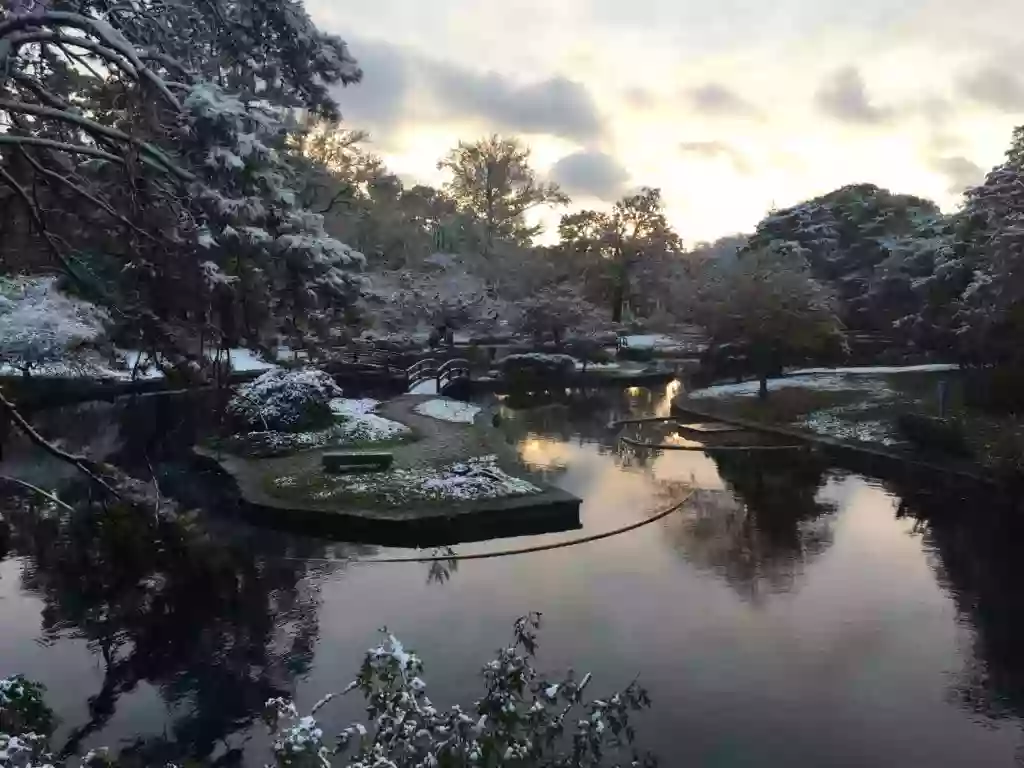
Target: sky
[(732, 107)]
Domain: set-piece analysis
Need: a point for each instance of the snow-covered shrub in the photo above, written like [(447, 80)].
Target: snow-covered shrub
[(25, 723), (286, 400), (41, 326), (522, 719), (555, 312)]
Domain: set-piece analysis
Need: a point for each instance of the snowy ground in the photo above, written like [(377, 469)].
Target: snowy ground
[(478, 478), (822, 383), (855, 403), (448, 410), (878, 370), (241, 360), (360, 424), (425, 387), (649, 341), (863, 378), (97, 368)]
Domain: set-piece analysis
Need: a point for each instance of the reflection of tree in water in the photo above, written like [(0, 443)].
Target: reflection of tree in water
[(581, 417), (761, 534), (215, 627), (976, 544)]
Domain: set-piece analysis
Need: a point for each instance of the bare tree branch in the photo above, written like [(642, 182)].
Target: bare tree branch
[(79, 462), (60, 178), (109, 36), (61, 146), (94, 127)]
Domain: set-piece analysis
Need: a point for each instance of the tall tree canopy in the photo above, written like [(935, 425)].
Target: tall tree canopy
[(627, 254), (493, 181), (766, 303)]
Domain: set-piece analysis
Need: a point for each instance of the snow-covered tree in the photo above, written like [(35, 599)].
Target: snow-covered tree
[(492, 180), (146, 155), (992, 305), (765, 303), (557, 312), (41, 326), (846, 235)]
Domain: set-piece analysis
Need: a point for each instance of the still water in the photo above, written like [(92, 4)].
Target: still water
[(791, 614)]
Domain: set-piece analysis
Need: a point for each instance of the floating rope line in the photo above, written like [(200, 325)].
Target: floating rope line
[(619, 423), (506, 552), (709, 448)]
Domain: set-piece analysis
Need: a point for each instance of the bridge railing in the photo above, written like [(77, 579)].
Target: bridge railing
[(444, 373), (421, 371), (452, 371)]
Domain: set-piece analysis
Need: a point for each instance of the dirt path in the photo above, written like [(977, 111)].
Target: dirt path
[(440, 442)]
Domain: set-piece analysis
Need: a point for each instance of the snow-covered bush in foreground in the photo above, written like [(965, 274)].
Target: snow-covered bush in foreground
[(40, 326), (522, 719), (286, 401)]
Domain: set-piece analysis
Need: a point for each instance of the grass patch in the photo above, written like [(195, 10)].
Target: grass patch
[(419, 486), (268, 445), (784, 406)]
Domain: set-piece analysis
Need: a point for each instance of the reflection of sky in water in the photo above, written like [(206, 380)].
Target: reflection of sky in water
[(797, 622)]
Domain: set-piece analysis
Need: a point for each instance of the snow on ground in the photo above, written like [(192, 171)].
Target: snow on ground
[(246, 360), (597, 366), (649, 341), (241, 360), (98, 368), (477, 478), (448, 410), (425, 387), (879, 370), (826, 380), (832, 424), (822, 383), (360, 424)]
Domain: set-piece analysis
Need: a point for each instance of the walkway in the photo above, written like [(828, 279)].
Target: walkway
[(440, 442)]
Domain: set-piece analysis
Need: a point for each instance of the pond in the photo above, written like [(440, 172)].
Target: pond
[(791, 614)]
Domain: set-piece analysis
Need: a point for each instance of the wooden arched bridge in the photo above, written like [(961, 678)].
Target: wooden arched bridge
[(364, 361)]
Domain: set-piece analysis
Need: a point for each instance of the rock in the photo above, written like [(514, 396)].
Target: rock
[(285, 401)]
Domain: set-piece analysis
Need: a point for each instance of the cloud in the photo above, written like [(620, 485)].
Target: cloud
[(639, 98), (556, 106), (590, 173), (379, 101), (717, 149), (403, 86), (717, 99), (844, 97), (995, 87), (961, 172)]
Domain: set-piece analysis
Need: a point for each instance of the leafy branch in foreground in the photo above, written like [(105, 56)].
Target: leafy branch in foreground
[(523, 719)]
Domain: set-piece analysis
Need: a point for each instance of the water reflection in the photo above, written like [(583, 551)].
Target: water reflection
[(761, 533), (976, 556), (216, 629), (793, 615)]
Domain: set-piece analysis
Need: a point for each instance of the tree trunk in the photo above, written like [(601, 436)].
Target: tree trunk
[(762, 390), (617, 301)]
